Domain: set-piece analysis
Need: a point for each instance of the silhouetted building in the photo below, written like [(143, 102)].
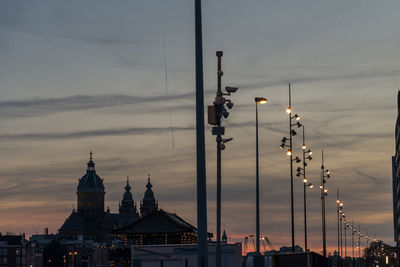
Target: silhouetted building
[(15, 251), (158, 227), (91, 221), (152, 226), (396, 176), (149, 203)]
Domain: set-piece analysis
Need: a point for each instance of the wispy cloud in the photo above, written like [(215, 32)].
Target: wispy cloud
[(45, 106), (93, 133)]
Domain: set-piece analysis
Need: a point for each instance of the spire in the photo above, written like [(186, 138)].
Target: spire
[(224, 237), (149, 185), (127, 187), (91, 164), (127, 204), (149, 202)]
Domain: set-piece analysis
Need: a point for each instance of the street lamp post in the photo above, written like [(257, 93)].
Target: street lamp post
[(292, 133), (341, 235), (339, 207), (306, 156), (258, 100), (324, 192), (216, 113), (346, 225), (202, 245), (352, 240)]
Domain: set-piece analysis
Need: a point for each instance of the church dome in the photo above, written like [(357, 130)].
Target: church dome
[(90, 182)]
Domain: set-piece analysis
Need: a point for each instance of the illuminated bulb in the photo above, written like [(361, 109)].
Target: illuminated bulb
[(289, 110), (305, 180), (341, 204), (311, 186), (304, 147), (326, 190), (289, 152), (338, 201), (320, 186)]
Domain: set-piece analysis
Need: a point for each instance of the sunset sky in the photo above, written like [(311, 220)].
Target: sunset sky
[(80, 76)]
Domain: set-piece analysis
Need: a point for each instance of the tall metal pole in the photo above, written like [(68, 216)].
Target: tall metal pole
[(323, 205), (291, 169), (338, 225), (202, 246), (219, 142), (359, 243), (304, 193), (257, 189), (345, 239), (341, 236), (352, 239)]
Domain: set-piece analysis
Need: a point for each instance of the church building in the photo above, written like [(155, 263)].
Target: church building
[(152, 226)]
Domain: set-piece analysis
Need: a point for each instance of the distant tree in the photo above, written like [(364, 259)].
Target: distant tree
[(53, 254), (377, 252)]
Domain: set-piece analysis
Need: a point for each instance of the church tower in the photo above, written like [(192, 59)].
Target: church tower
[(149, 203), (90, 191), (128, 205)]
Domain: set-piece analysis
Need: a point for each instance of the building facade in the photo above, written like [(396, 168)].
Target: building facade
[(91, 221), (16, 251)]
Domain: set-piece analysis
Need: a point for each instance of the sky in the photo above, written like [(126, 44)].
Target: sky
[(118, 79)]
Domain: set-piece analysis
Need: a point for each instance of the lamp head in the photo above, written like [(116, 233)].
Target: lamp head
[(231, 89), (289, 110), (261, 100)]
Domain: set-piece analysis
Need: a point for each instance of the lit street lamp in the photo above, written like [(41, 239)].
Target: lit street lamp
[(324, 192), (339, 205), (306, 156), (216, 113), (289, 152), (258, 100)]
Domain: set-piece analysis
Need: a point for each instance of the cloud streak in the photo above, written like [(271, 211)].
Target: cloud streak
[(93, 133)]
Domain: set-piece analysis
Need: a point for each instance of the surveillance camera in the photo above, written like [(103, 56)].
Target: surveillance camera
[(225, 114), (231, 89), (229, 105)]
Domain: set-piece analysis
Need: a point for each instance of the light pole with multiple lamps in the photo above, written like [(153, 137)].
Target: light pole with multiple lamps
[(339, 209), (289, 152), (258, 100), (216, 113), (324, 192), (306, 184)]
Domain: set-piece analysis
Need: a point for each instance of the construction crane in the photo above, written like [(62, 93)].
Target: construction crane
[(265, 242), (246, 240)]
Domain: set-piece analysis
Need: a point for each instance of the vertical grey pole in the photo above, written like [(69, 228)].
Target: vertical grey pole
[(257, 189), (352, 240), (202, 246), (341, 237), (323, 205), (219, 142), (345, 239), (338, 227), (291, 170), (305, 197)]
